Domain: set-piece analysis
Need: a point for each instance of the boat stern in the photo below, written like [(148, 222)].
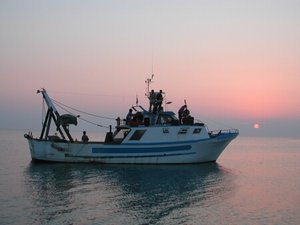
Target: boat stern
[(42, 150)]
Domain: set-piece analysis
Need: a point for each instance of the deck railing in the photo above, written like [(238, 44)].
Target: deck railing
[(224, 131)]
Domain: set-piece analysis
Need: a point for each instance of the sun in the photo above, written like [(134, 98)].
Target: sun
[(256, 125)]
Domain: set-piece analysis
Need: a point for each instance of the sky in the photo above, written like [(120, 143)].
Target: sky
[(235, 62)]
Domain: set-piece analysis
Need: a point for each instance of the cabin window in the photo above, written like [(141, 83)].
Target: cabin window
[(197, 131), (183, 131), (166, 130), (137, 135), (165, 119), (121, 133)]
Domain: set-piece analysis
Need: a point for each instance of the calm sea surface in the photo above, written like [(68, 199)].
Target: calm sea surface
[(255, 181)]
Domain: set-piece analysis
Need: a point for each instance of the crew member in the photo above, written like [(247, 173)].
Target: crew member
[(181, 112), (152, 96), (84, 137), (129, 116), (159, 99)]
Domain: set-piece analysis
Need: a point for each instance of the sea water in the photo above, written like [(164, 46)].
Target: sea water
[(255, 181)]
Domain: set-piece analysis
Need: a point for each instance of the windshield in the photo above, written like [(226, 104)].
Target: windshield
[(122, 133)]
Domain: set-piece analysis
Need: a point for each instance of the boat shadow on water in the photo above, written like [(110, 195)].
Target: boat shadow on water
[(146, 193)]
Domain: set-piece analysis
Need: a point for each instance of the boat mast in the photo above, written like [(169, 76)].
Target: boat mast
[(52, 113), (148, 82)]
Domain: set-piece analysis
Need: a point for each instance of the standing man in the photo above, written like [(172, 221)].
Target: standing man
[(129, 116), (151, 99), (84, 137), (181, 112), (159, 99)]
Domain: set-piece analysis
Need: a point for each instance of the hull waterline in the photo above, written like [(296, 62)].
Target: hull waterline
[(197, 151)]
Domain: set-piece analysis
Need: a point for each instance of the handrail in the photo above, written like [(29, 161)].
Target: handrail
[(224, 131)]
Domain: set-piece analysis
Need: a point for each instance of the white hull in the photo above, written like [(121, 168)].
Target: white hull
[(147, 137), (195, 151)]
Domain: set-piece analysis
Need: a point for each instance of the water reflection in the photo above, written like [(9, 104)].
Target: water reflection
[(123, 194), (48, 188)]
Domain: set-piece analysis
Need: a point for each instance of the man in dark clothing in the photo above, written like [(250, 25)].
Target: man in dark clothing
[(129, 116), (84, 137), (181, 112), (151, 100), (159, 99)]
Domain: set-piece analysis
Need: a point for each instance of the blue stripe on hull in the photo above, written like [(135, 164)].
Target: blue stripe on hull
[(130, 156), (141, 150)]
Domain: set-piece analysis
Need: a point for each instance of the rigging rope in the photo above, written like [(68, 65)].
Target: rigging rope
[(77, 110), (99, 125), (58, 104)]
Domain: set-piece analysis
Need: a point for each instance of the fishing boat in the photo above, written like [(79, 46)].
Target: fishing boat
[(147, 136)]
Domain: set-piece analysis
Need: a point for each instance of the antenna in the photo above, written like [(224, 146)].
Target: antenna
[(148, 82), (152, 66)]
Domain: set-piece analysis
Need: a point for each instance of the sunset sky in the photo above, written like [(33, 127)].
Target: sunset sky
[(236, 62)]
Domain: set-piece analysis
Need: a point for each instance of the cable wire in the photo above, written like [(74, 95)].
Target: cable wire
[(78, 116), (77, 110)]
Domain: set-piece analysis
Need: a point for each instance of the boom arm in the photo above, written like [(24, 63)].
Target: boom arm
[(48, 100), (52, 113)]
